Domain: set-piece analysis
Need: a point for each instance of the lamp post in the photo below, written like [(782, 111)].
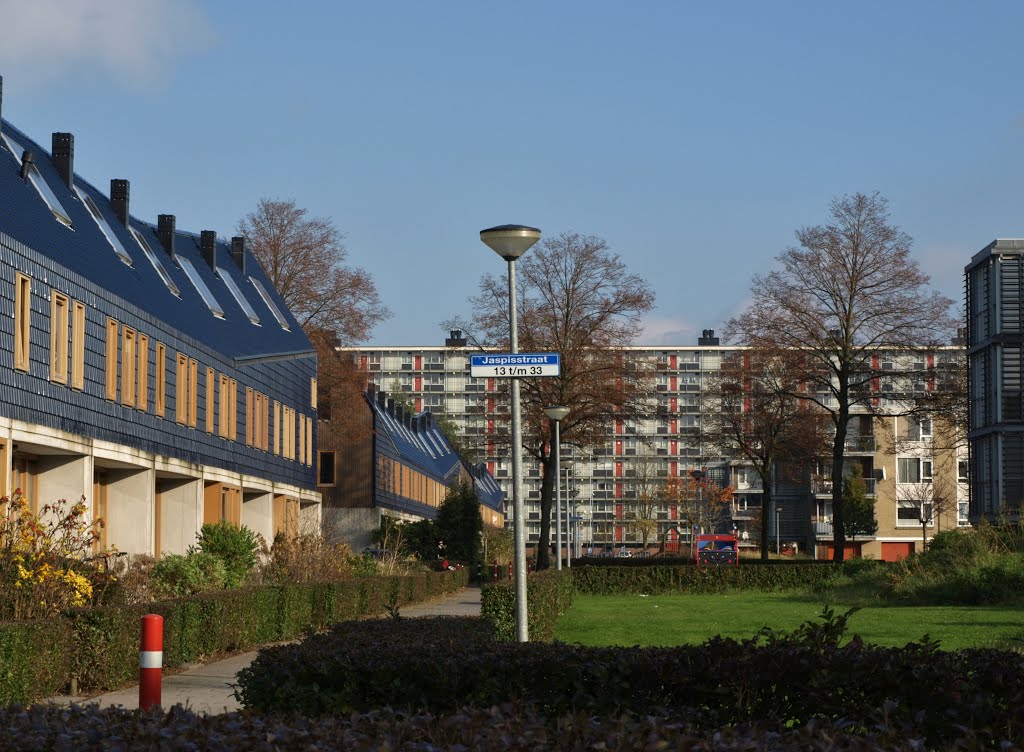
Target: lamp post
[(557, 413), (778, 530), (510, 242)]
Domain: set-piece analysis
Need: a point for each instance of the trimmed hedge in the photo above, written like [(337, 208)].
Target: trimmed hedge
[(548, 596), (100, 647), (779, 681), (666, 580), (510, 727)]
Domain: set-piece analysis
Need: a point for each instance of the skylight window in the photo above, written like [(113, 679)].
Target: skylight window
[(201, 288), (104, 225), (155, 261), (270, 304), (225, 275), (48, 196)]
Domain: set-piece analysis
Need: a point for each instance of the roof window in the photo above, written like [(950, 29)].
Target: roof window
[(104, 225), (201, 288), (47, 194), (225, 275), (270, 304), (155, 261)]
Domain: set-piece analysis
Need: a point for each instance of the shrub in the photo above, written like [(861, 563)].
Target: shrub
[(42, 557), (308, 558), (549, 595), (176, 576), (237, 546)]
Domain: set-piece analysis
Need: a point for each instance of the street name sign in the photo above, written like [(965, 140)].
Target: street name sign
[(514, 365)]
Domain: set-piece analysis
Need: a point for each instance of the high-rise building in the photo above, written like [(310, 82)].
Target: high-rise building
[(910, 468), (995, 343)]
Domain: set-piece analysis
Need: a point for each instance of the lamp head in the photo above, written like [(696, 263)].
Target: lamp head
[(556, 412), (510, 241)]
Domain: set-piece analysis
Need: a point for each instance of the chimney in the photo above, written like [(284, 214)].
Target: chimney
[(63, 151), (382, 399), (391, 408), (238, 253), (165, 230), (708, 339), (455, 339), (208, 246), (119, 192), (27, 160)]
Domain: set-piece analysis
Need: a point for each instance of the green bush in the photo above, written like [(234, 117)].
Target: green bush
[(780, 680), (237, 546), (35, 659), (548, 596), (666, 580), (176, 576)]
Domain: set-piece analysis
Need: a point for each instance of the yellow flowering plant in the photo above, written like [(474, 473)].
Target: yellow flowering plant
[(44, 557)]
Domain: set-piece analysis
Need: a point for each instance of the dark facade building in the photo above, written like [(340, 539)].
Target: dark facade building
[(995, 345), (153, 371), (400, 465)]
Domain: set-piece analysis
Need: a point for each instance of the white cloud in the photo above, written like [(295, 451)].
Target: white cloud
[(133, 41), (667, 331)]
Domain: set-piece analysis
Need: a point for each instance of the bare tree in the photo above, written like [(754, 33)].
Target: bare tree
[(336, 304), (642, 509), (576, 298), (849, 292), (754, 411)]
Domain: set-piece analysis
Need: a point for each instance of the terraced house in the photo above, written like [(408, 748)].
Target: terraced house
[(153, 371)]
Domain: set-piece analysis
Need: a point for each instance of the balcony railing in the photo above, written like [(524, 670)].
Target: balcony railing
[(823, 486), (860, 444)]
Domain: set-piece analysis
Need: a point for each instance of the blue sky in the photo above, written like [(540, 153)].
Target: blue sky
[(693, 137)]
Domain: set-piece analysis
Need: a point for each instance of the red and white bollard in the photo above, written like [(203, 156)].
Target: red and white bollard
[(151, 661)]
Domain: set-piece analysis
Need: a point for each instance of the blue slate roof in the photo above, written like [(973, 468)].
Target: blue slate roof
[(84, 250)]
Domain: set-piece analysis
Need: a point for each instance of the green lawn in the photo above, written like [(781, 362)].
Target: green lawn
[(667, 620)]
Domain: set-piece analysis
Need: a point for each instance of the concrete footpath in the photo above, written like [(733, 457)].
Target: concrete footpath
[(206, 688)]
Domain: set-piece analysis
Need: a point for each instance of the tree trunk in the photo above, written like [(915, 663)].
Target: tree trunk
[(766, 515), (547, 492), (838, 454)]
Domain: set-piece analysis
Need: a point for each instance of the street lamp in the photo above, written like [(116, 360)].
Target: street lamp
[(557, 413), (778, 530), (510, 242)]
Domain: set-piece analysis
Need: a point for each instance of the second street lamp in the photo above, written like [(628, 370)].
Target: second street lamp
[(510, 242), (557, 413)]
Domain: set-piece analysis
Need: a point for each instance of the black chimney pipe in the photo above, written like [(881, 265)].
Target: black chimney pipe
[(208, 245), (238, 253), (120, 191), (165, 231), (27, 160), (63, 151)]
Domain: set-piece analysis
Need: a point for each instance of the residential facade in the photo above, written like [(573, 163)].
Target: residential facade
[(907, 463), (153, 372), (397, 464), (994, 281)]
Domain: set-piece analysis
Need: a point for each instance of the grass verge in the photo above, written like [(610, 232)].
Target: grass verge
[(627, 620)]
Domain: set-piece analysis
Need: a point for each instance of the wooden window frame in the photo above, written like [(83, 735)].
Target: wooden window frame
[(309, 441), (211, 388), (277, 428), (110, 386), (142, 393), (22, 321), (312, 391), (224, 423), (233, 412), (160, 401), (129, 360), (249, 415), (78, 345), (60, 306), (193, 392), (181, 389)]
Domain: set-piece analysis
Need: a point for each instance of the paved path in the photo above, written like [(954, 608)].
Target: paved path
[(206, 688)]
